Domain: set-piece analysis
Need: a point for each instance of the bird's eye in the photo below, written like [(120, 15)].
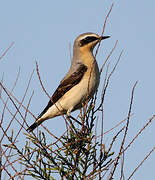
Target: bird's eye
[(90, 39), (87, 40)]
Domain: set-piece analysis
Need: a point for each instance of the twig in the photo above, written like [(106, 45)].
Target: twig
[(15, 83), (11, 101), (141, 130), (122, 167), (18, 108), (114, 138), (7, 159), (105, 21), (107, 83), (141, 163), (101, 152), (116, 125), (1, 87), (37, 70), (108, 56), (5, 104), (125, 134), (5, 52), (0, 161), (21, 154)]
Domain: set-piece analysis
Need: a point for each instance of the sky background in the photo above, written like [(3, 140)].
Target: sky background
[(43, 31)]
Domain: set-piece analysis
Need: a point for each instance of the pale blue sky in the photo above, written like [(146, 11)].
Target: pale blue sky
[(43, 30)]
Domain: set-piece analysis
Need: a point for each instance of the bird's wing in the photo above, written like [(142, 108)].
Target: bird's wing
[(66, 85)]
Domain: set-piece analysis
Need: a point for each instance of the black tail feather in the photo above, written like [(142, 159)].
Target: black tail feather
[(32, 127)]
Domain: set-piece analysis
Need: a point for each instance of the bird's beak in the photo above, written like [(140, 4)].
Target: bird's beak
[(104, 37)]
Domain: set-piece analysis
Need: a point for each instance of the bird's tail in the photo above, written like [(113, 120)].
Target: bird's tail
[(35, 125)]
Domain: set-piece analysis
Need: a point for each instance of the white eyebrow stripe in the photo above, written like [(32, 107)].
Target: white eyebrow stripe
[(91, 35)]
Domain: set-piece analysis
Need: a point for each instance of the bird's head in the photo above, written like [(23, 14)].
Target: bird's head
[(87, 41)]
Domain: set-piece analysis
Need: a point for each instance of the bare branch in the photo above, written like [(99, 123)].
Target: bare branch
[(141, 130), (105, 21), (5, 52), (125, 133), (108, 56), (141, 163)]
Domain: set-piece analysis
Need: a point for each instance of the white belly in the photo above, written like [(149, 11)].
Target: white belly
[(76, 96)]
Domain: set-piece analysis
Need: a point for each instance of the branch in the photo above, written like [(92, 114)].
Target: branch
[(125, 133), (5, 52)]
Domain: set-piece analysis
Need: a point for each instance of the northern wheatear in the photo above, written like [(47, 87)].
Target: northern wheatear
[(79, 84)]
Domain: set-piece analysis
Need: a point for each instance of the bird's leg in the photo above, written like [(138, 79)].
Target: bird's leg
[(72, 125), (69, 111), (84, 128), (69, 116)]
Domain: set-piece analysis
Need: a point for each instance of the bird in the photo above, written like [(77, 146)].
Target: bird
[(79, 84)]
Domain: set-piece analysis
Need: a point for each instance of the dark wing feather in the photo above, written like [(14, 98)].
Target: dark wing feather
[(65, 86)]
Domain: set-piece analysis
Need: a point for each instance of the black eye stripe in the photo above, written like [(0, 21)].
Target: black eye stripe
[(91, 38), (87, 40)]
